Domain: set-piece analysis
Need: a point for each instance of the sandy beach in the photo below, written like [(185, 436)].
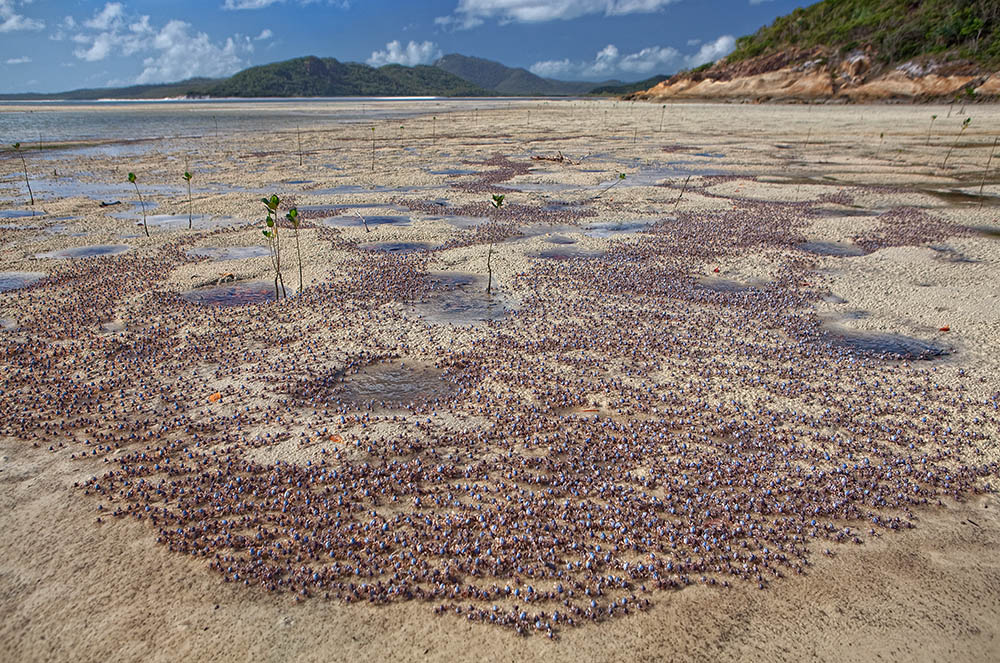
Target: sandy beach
[(739, 404)]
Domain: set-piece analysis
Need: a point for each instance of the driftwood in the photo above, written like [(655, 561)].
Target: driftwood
[(557, 159), (227, 277)]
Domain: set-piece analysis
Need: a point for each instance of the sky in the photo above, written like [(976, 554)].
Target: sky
[(51, 46)]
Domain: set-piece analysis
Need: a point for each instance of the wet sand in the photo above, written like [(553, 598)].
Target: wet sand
[(687, 324)]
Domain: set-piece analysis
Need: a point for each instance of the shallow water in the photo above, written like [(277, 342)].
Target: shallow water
[(836, 249), (873, 344), (18, 214), (721, 285), (395, 384), (229, 252), (397, 247), (86, 251), (568, 252), (232, 294), (460, 299), (353, 220), (180, 221), (17, 280), (614, 229)]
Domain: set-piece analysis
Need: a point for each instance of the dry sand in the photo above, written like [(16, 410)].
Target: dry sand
[(75, 590)]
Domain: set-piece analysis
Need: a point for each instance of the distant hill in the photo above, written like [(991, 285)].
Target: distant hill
[(628, 88), (857, 50), (504, 80), (190, 87), (326, 77), (451, 76)]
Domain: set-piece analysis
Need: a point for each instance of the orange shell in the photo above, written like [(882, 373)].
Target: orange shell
[(215, 398)]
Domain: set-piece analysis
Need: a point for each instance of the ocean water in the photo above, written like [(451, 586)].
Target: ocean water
[(57, 121)]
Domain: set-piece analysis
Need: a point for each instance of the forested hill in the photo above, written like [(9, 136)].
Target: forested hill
[(327, 77), (895, 30), (857, 50), (505, 80)]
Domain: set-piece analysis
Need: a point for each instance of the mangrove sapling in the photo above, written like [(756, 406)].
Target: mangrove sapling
[(663, 112), (187, 178), (618, 180), (986, 172), (24, 166), (373, 149), (497, 203), (965, 125), (131, 178), (274, 242), (881, 139), (933, 117), (293, 218)]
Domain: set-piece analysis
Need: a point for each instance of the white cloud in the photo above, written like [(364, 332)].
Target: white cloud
[(11, 21), (24, 59), (264, 34), (171, 52), (552, 68), (262, 4), (413, 54), (471, 13), (712, 51), (249, 4), (108, 18), (610, 62)]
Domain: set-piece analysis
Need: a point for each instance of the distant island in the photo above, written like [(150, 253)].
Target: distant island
[(453, 75), (856, 51)]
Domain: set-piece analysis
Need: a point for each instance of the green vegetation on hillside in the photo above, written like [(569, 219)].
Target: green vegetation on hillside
[(629, 88), (505, 80), (897, 30), (327, 77)]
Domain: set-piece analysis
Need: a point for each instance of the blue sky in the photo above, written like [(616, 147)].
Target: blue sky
[(48, 46)]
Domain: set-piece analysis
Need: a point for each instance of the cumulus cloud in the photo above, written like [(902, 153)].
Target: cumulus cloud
[(261, 4), (412, 54), (264, 34), (24, 59), (471, 13), (609, 61), (12, 21), (249, 4), (171, 52), (712, 51)]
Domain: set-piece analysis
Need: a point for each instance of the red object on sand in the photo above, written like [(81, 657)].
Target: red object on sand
[(945, 328)]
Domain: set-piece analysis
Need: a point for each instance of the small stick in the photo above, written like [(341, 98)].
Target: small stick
[(985, 172), (362, 220), (683, 189), (299, 133)]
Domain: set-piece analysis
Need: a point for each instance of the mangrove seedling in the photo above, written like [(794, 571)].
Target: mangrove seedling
[(274, 242), (187, 178), (933, 117), (881, 139), (24, 166), (618, 180), (293, 218), (131, 178), (373, 149), (965, 125), (497, 203), (663, 112)]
